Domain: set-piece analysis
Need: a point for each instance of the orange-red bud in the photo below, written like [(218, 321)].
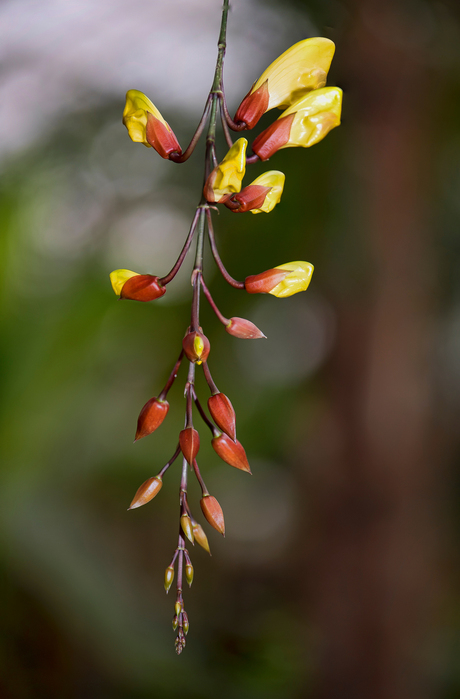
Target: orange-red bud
[(151, 416), (213, 513), (142, 287), (169, 577), (200, 536), (251, 197), (186, 525), (273, 138), (253, 106), (264, 282), (189, 441), (231, 452), (244, 329), (196, 347), (147, 492), (160, 137), (223, 414)]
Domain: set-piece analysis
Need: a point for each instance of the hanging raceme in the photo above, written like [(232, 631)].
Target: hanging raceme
[(295, 82)]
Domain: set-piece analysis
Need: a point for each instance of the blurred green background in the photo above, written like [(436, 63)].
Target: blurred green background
[(339, 574)]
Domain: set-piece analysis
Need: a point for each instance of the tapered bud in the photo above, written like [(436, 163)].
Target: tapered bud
[(304, 123), (223, 414), (200, 536), (142, 287), (178, 607), (298, 279), (169, 577), (226, 178), (196, 347), (146, 125), (213, 513), (151, 416), (185, 622), (261, 195), (146, 492), (186, 525), (303, 67), (264, 282), (189, 441), (175, 622), (244, 329), (231, 452), (189, 574)]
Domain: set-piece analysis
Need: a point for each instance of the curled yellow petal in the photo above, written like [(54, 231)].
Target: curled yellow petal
[(301, 68), (226, 178), (135, 116), (314, 116), (298, 279), (119, 277), (274, 179)]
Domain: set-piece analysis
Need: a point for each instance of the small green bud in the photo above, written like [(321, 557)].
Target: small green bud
[(178, 608), (175, 622), (189, 574), (186, 525), (169, 577), (185, 623)]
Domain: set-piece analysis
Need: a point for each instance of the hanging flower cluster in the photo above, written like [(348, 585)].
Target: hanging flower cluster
[(295, 82)]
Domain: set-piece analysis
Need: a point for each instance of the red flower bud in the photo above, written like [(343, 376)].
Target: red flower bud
[(213, 513), (189, 441), (160, 137), (251, 197), (264, 282), (196, 347), (223, 414), (146, 492), (142, 287), (151, 416), (244, 329), (253, 106), (273, 138), (231, 452)]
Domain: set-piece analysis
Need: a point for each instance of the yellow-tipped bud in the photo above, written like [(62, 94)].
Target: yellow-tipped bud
[(275, 180), (146, 125), (186, 525), (119, 277), (189, 574), (298, 279), (169, 577), (226, 178)]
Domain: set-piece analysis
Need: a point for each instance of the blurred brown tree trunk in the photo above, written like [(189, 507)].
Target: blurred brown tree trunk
[(373, 586)]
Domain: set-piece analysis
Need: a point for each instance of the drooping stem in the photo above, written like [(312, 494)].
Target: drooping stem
[(188, 241), (199, 478), (175, 157), (215, 253), (235, 126), (207, 293), (209, 379), (170, 462), (172, 377), (203, 414)]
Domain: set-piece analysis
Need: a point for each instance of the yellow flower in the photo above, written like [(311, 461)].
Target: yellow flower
[(300, 69), (304, 123), (261, 195), (297, 280), (226, 178), (119, 277), (146, 125)]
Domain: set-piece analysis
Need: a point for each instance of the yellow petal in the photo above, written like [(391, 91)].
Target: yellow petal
[(301, 68), (226, 178), (135, 116), (274, 179), (119, 277), (315, 115), (297, 280)]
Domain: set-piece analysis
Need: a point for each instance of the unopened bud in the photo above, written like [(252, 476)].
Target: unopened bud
[(186, 525), (244, 329), (147, 492), (226, 177), (189, 442), (213, 513), (264, 282), (146, 125), (253, 106), (178, 607), (274, 137), (196, 347), (169, 577), (223, 414), (151, 416), (251, 197), (185, 622), (142, 287), (189, 574), (200, 537), (231, 452), (175, 622)]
